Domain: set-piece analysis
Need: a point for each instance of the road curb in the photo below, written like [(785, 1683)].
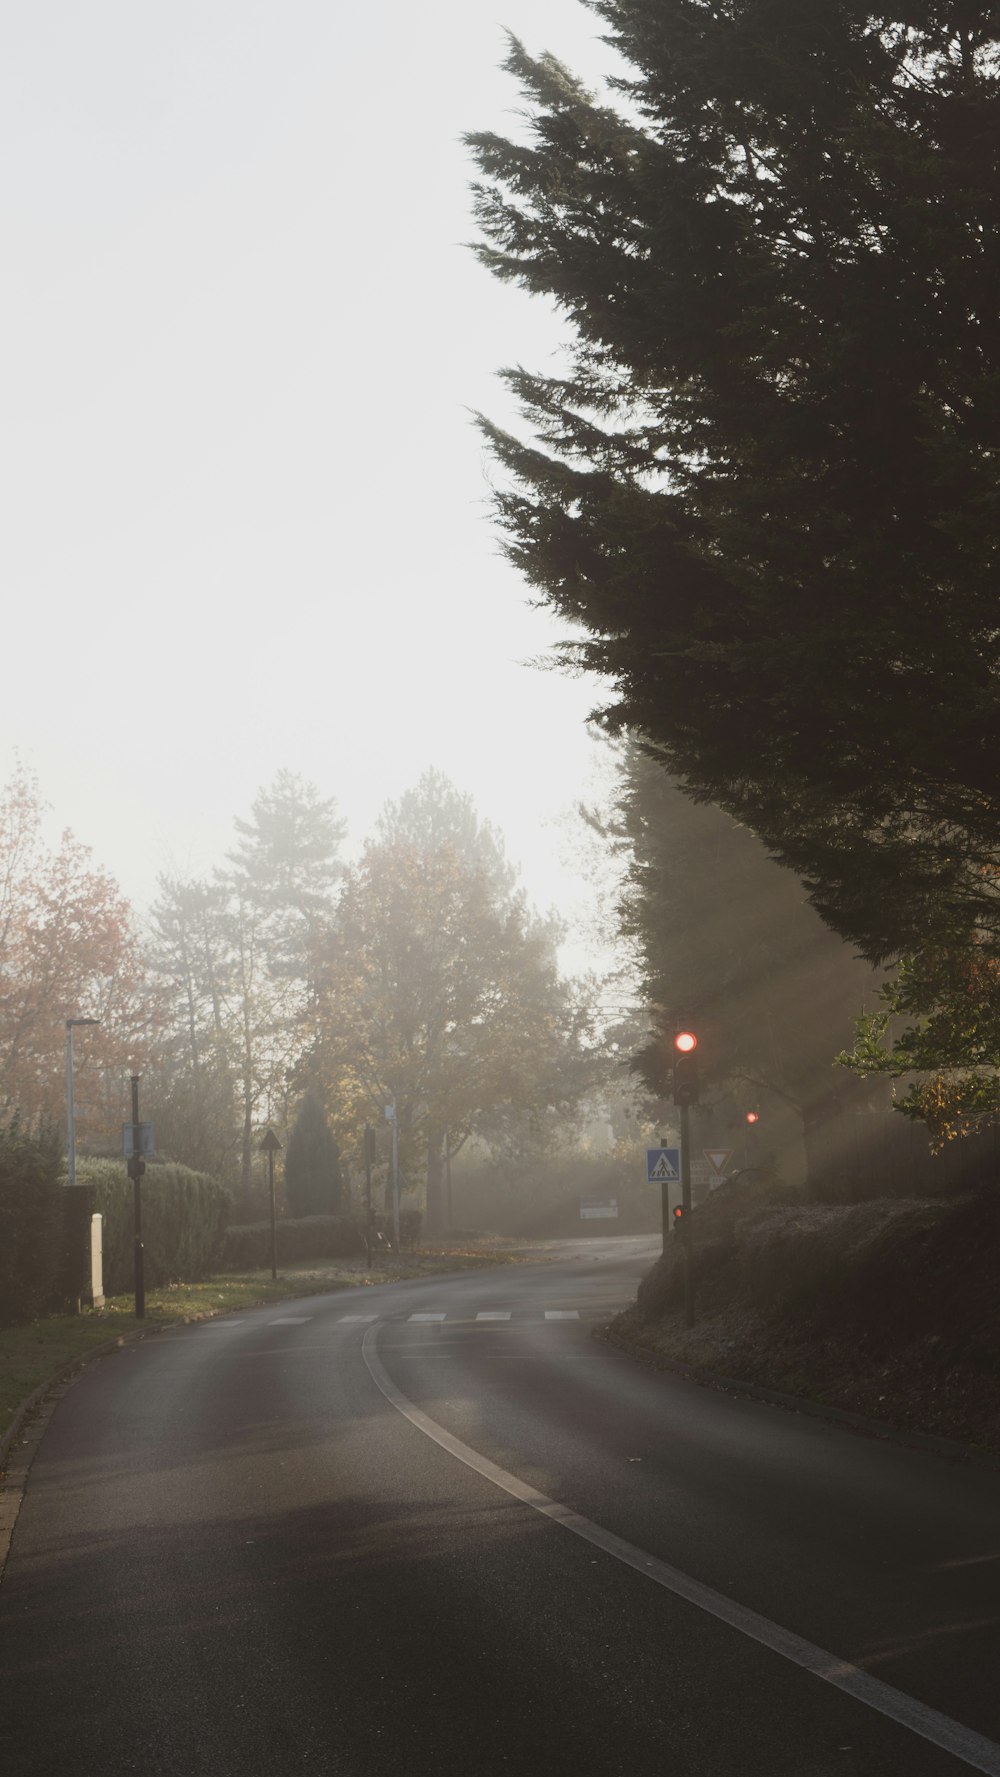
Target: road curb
[(63, 1374), (949, 1448), (14, 1473)]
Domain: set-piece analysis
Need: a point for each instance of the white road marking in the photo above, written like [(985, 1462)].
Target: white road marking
[(290, 1320), (952, 1736), (494, 1314), (427, 1317), (562, 1313), (364, 1317)]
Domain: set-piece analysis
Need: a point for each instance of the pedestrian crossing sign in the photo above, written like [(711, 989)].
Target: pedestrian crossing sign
[(663, 1166)]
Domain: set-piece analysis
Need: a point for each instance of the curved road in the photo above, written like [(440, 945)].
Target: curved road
[(459, 1536)]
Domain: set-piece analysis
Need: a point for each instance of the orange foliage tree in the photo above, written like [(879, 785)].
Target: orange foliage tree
[(67, 950)]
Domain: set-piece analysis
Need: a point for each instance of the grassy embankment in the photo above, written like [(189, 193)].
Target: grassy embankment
[(31, 1354), (888, 1308)]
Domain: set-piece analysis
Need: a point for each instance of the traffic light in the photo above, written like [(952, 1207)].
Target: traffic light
[(678, 1216), (752, 1117), (685, 1068)]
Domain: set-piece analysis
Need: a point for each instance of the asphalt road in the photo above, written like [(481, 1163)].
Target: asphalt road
[(296, 1541)]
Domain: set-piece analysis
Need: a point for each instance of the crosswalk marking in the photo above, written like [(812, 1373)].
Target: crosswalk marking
[(427, 1317), (365, 1317), (494, 1314), (290, 1320), (562, 1313)]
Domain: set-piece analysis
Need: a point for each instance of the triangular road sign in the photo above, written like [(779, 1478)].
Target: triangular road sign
[(717, 1157)]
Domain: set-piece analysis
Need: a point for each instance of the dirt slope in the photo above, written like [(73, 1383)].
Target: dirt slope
[(888, 1308)]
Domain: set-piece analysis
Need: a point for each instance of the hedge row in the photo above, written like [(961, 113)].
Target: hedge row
[(248, 1247), (184, 1217), (31, 1221)]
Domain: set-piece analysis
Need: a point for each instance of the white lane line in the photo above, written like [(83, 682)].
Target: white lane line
[(562, 1313), (290, 1320), (365, 1317), (952, 1736), (426, 1317), (494, 1314)]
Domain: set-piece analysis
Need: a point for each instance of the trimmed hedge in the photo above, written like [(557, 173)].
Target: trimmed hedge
[(247, 1247), (184, 1217), (32, 1202)]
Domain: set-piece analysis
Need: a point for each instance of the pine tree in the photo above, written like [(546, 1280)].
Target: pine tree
[(312, 1163), (766, 485), (286, 864)]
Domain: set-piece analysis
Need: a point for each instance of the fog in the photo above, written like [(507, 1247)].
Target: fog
[(247, 522)]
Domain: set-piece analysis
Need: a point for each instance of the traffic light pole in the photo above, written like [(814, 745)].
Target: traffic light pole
[(686, 1218)]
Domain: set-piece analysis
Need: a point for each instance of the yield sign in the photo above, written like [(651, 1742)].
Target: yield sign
[(717, 1157)]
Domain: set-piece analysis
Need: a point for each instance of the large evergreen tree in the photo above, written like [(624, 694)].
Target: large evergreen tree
[(766, 485), (728, 944), (313, 1182)]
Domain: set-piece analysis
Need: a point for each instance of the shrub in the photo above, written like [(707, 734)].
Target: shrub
[(247, 1247), (184, 1216)]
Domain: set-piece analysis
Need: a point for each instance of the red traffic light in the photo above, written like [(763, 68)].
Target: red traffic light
[(678, 1212), (685, 1041), (753, 1116)]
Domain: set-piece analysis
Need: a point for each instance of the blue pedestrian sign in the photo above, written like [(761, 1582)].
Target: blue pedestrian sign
[(663, 1166)]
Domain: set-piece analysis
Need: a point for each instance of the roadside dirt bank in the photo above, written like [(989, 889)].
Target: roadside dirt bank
[(889, 1308)]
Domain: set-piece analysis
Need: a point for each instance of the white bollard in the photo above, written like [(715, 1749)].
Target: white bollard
[(96, 1297)]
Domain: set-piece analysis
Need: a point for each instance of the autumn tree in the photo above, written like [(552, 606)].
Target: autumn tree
[(764, 484), (936, 1027), (68, 949), (438, 987)]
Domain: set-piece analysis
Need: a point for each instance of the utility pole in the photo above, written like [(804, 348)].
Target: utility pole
[(270, 1146), (390, 1117), (136, 1168), (71, 1025), (84, 1283), (369, 1163)]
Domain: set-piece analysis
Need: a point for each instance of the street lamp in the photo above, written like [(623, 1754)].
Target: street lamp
[(71, 1025)]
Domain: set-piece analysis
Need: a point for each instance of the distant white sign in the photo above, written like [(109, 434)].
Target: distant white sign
[(663, 1166), (594, 1209)]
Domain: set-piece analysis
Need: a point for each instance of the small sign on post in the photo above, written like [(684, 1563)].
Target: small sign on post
[(663, 1166), (147, 1139)]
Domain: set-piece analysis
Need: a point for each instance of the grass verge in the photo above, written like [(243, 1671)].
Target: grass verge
[(31, 1354)]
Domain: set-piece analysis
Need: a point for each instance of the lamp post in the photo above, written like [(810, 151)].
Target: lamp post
[(71, 1025)]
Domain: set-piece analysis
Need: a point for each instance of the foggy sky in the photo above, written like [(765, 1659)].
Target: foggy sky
[(245, 520)]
